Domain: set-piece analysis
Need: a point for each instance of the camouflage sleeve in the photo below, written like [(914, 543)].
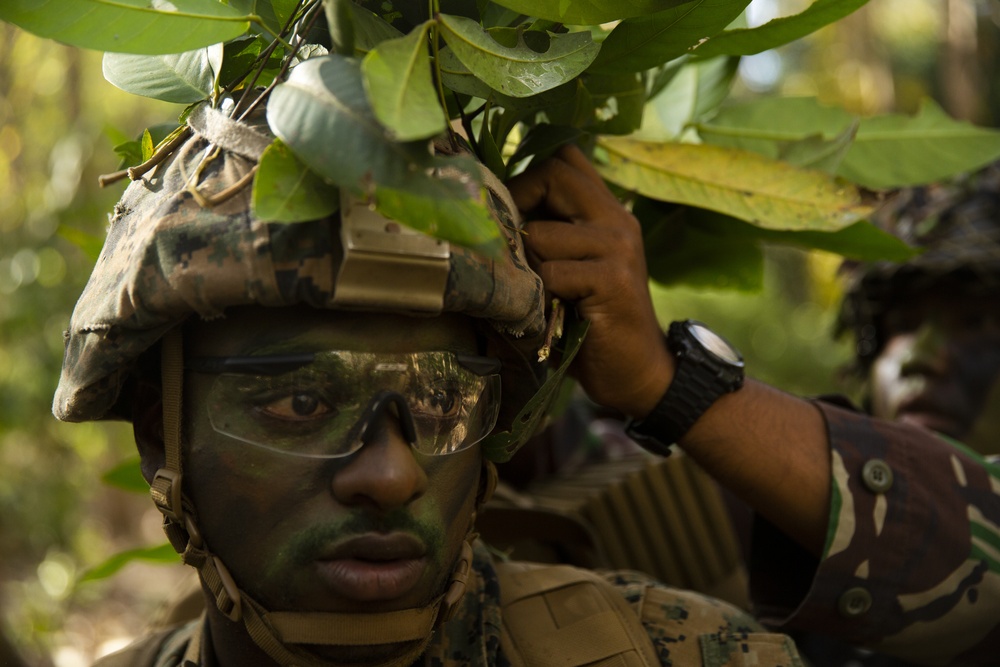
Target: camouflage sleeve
[(688, 628), (911, 565)]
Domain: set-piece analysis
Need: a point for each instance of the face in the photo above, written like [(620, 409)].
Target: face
[(940, 360), (378, 529)]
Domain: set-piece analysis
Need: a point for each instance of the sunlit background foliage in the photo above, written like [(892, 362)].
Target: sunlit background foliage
[(59, 121)]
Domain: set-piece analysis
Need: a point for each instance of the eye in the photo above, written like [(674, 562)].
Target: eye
[(438, 402), (302, 406)]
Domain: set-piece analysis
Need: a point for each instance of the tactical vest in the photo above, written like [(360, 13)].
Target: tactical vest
[(561, 616)]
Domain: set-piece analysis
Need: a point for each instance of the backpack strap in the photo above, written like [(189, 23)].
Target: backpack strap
[(562, 616)]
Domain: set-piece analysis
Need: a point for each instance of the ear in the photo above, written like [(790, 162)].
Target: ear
[(147, 425)]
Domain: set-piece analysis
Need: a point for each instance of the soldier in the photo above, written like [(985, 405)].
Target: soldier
[(314, 431), (875, 533), (927, 331)]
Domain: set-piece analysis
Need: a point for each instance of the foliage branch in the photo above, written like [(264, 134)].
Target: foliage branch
[(355, 91)]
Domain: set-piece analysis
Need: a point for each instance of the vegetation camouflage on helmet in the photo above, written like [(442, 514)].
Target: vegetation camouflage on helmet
[(169, 256), (956, 224)]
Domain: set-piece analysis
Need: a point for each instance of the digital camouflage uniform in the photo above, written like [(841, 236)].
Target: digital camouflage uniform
[(684, 628), (912, 560)]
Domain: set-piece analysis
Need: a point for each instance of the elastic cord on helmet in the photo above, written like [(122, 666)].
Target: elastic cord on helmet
[(273, 631)]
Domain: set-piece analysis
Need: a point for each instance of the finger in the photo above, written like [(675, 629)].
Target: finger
[(553, 240), (593, 282), (563, 191), (568, 279), (573, 156)]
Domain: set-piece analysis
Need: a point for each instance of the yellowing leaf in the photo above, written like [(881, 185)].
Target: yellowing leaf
[(765, 192)]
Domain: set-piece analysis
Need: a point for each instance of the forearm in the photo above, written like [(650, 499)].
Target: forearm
[(770, 449)]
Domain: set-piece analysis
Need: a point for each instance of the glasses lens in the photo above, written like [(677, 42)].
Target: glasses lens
[(315, 410)]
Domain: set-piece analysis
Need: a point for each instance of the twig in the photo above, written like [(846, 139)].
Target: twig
[(230, 192), (137, 172), (554, 331)]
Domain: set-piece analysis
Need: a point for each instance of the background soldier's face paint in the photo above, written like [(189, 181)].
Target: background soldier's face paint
[(940, 360), (375, 530)]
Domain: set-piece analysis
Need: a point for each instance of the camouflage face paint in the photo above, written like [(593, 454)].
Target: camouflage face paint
[(289, 527)]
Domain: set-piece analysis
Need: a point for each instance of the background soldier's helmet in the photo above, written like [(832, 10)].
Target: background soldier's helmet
[(175, 251), (957, 227)]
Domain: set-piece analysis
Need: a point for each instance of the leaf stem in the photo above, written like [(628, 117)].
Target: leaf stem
[(137, 172), (288, 59), (435, 35), (262, 59)]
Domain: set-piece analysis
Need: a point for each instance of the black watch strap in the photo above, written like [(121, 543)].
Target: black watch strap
[(707, 367), (674, 414)]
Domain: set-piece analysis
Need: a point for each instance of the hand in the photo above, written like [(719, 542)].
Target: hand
[(588, 249)]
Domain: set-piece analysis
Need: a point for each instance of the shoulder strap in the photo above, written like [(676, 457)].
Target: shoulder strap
[(562, 616)]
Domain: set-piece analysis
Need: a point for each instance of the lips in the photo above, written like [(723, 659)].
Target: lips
[(374, 567)]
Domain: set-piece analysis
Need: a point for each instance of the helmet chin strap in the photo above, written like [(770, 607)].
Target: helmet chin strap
[(279, 633)]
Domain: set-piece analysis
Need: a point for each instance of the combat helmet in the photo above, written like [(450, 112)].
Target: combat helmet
[(955, 226), (184, 242)]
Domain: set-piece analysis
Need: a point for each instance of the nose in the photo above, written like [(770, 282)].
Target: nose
[(384, 474), (929, 352)]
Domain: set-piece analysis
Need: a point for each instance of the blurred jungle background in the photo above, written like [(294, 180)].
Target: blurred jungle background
[(59, 122)]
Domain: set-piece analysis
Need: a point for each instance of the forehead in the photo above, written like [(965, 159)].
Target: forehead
[(257, 330)]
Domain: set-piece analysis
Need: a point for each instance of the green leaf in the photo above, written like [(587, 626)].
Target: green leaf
[(862, 240), (182, 78), (397, 76), (457, 77), (340, 23), (769, 124), (286, 190), (618, 100), (240, 59), (774, 33), (273, 13), (499, 446), (587, 12), (370, 30), (817, 152), (128, 26), (127, 476), (679, 251), (444, 209), (526, 63), (887, 151), (323, 104), (694, 90), (649, 41), (489, 152), (164, 554), (147, 145), (543, 140), (767, 193), (894, 151)]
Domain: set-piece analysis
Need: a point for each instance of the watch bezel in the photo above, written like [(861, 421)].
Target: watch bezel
[(714, 344)]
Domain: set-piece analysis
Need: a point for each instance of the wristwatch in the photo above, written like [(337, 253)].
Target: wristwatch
[(708, 367)]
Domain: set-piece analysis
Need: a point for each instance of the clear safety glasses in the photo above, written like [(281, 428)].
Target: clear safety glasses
[(328, 404)]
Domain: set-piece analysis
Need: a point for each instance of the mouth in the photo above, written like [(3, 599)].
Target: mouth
[(374, 567)]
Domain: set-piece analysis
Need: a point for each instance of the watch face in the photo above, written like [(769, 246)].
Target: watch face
[(715, 344)]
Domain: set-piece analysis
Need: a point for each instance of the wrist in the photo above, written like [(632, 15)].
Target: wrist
[(706, 367)]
